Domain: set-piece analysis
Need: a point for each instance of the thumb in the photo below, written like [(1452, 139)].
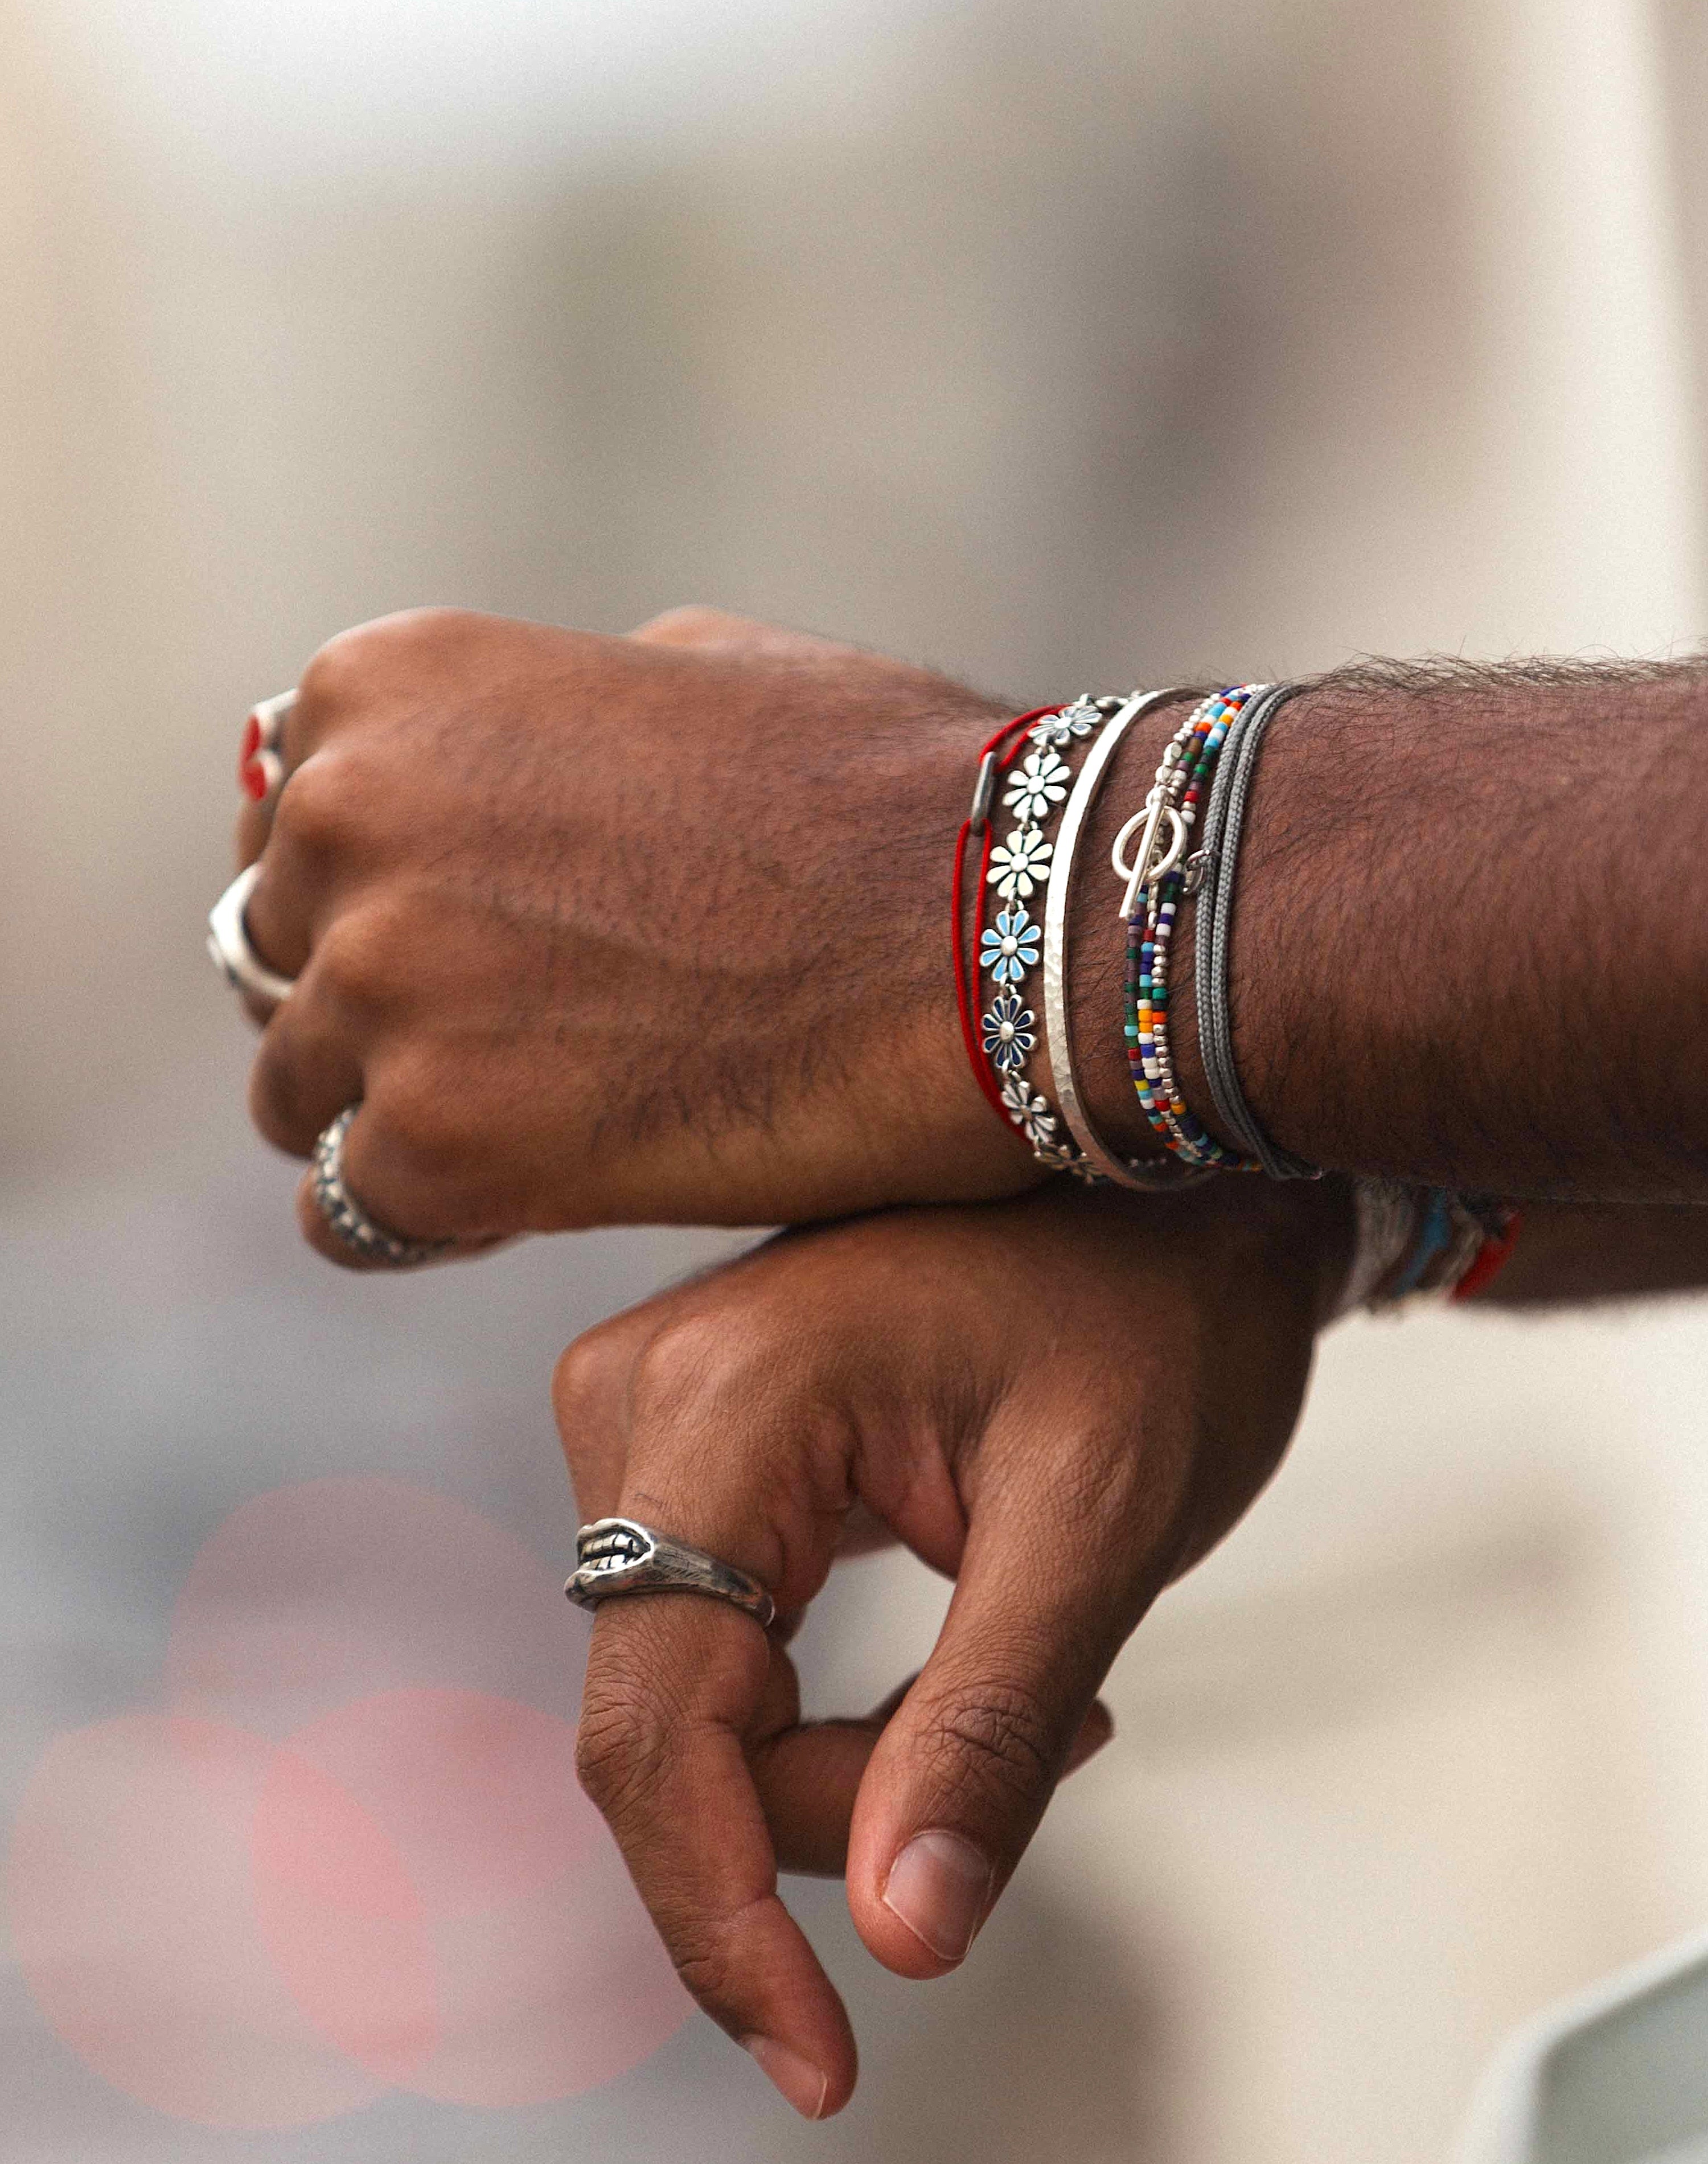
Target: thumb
[(961, 1776)]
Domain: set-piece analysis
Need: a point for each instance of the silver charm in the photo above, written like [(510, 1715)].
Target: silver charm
[(1040, 782), (619, 1556), (1071, 724), (1030, 1110), (1020, 863)]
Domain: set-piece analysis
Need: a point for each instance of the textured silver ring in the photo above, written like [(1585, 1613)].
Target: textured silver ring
[(348, 1220), (228, 944), (618, 1557)]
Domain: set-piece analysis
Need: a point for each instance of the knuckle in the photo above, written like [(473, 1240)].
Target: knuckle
[(323, 808), (358, 961), (589, 1377), (701, 1957), (277, 1105), (1001, 1737), (422, 1187), (704, 1356), (622, 1750), (423, 1131), (688, 624), (351, 661), (342, 670)]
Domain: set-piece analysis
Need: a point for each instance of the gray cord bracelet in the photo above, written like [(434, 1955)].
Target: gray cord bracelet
[(1225, 821)]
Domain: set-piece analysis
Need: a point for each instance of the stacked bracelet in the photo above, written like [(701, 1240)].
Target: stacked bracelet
[(1024, 1066), (1218, 858), (1010, 950), (1156, 880), (1412, 1241), (1146, 1174)]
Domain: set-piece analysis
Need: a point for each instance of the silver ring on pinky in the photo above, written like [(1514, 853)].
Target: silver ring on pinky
[(346, 1218), (228, 944), (619, 1556)]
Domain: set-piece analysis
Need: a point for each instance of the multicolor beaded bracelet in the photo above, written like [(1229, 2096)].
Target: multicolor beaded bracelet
[(1156, 880), (1413, 1240), (1151, 1174)]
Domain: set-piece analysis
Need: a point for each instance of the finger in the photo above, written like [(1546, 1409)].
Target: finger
[(589, 1402), (306, 1069), (316, 838), (404, 1181), (961, 1776), (673, 1684), (679, 1687), (255, 822), (808, 1778)]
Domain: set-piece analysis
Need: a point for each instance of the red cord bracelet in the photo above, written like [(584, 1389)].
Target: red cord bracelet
[(1492, 1258), (993, 758)]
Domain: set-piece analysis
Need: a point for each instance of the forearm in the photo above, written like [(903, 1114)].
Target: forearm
[(1466, 948), (1576, 1254)]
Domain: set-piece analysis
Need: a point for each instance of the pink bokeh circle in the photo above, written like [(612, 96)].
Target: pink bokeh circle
[(355, 1855)]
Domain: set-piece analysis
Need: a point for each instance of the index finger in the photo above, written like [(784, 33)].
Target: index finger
[(674, 1682)]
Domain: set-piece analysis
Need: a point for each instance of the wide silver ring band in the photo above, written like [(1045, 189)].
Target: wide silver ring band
[(346, 1218), (228, 944), (618, 1557)]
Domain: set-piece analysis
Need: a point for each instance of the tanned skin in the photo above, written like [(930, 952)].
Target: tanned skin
[(605, 930), (1468, 945)]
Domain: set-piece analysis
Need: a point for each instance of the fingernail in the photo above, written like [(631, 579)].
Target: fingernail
[(797, 2078), (938, 1886)]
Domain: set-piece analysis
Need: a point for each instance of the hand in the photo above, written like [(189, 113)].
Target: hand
[(605, 930), (1062, 1402)]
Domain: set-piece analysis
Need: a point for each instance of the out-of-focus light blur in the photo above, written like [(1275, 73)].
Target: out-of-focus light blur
[(1058, 347)]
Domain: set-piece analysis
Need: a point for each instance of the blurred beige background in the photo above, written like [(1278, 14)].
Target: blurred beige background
[(1056, 347)]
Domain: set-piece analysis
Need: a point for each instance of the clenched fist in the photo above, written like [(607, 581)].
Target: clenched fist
[(605, 930)]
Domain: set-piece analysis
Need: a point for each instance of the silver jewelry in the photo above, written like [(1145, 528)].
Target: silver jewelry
[(228, 944), (1007, 951), (347, 1217), (1150, 1175), (1157, 871), (261, 762), (617, 1557)]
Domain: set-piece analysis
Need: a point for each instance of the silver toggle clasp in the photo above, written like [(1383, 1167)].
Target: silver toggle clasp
[(1147, 867)]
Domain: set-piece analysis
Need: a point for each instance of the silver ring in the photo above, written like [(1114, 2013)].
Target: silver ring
[(619, 1556), (348, 1220), (260, 758), (228, 943)]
